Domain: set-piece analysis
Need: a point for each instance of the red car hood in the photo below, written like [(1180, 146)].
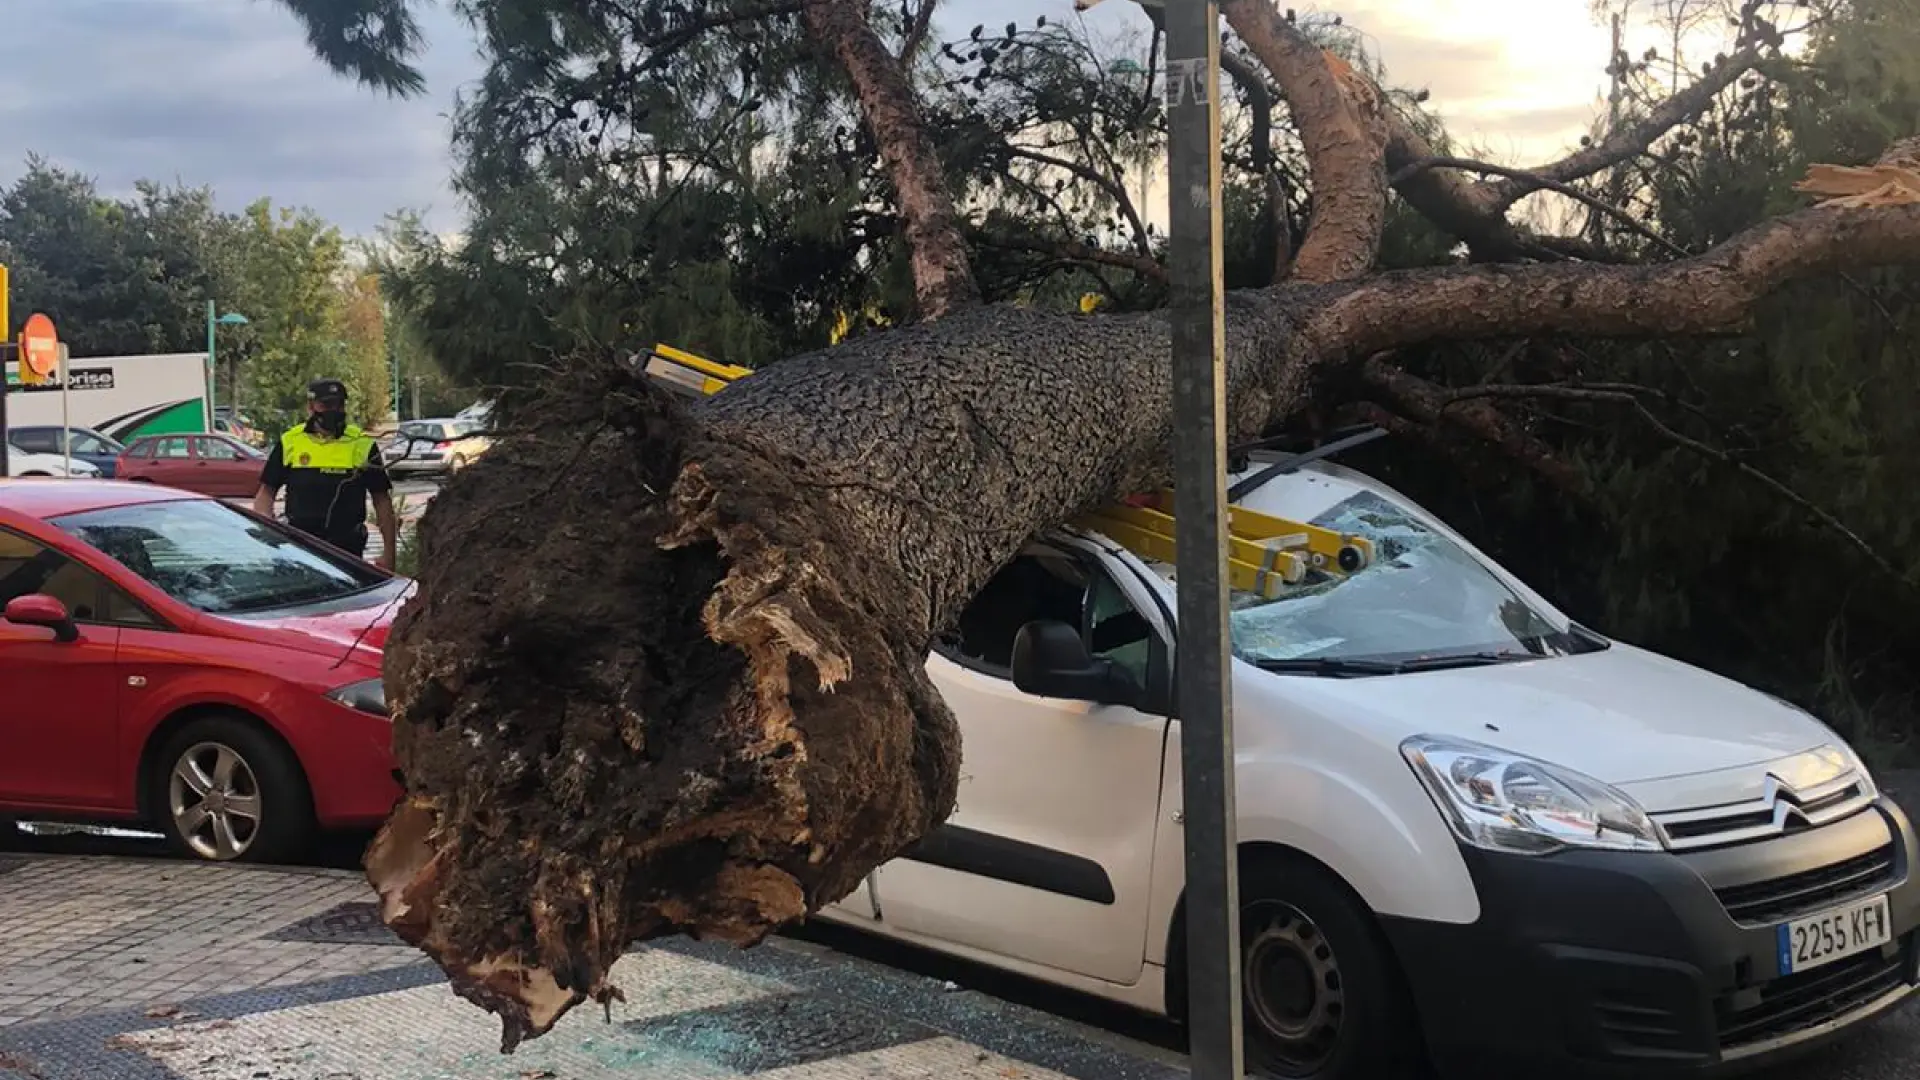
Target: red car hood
[(361, 629)]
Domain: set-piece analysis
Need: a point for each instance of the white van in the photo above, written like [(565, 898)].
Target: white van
[(1471, 829)]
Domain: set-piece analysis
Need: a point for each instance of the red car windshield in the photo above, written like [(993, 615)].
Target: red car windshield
[(210, 556)]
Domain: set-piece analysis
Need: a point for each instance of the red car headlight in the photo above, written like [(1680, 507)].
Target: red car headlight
[(367, 696)]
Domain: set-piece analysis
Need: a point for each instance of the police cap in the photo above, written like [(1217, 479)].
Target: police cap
[(327, 391)]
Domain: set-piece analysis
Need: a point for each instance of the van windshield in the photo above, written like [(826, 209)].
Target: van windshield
[(1423, 599)]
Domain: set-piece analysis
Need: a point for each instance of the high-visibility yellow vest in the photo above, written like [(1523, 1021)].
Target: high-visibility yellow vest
[(300, 449)]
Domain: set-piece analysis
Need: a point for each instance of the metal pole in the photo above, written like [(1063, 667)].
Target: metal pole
[(1202, 664), (210, 365), (66, 411), (393, 351), (6, 353)]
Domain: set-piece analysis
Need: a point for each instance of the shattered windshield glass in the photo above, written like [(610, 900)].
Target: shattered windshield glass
[(1423, 597)]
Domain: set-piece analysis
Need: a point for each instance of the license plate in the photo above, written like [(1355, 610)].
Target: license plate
[(1835, 935)]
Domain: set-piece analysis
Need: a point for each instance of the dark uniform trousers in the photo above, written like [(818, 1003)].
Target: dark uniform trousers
[(352, 541)]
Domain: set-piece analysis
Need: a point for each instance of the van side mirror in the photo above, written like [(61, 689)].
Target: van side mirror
[(1050, 659), (39, 609)]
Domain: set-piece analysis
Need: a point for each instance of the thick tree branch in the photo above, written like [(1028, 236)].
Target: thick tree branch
[(1476, 211), (942, 277), (1342, 124), (1629, 141), (1426, 401), (1405, 172), (1713, 293), (1253, 82), (1457, 205)]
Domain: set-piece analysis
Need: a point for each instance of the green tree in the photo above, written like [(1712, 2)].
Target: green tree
[(363, 326), (293, 281), (116, 277)]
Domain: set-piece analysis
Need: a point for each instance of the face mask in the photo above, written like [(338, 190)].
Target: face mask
[(331, 421)]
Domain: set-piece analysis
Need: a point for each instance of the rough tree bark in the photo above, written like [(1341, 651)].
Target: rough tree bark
[(1343, 127), (681, 689)]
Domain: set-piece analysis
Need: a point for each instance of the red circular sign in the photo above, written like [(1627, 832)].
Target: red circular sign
[(40, 346)]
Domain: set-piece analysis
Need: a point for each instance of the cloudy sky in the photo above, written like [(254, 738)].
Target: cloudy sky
[(224, 92)]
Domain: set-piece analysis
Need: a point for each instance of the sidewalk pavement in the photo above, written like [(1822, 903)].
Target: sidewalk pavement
[(127, 969)]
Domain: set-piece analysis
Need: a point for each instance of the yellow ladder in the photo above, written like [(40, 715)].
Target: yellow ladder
[(681, 370), (1264, 553)]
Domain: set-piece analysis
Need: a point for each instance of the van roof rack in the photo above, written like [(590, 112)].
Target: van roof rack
[(1344, 439)]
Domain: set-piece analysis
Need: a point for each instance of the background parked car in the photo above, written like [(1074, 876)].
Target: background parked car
[(170, 659), (217, 465), (98, 450), (441, 446), (21, 463), (479, 414), (238, 425)]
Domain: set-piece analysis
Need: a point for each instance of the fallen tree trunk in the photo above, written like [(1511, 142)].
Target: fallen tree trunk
[(667, 675), (664, 673)]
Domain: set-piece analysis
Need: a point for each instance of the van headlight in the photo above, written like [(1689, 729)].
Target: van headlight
[(367, 695), (1502, 801), (1858, 764), (1840, 752)]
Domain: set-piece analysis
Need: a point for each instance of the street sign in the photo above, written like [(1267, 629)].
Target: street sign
[(39, 350)]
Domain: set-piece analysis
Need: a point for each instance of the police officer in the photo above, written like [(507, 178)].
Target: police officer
[(330, 468)]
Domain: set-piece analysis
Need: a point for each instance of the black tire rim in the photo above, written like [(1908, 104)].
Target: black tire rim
[(1295, 998)]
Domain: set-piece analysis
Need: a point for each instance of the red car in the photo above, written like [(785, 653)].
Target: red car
[(217, 465), (171, 659)]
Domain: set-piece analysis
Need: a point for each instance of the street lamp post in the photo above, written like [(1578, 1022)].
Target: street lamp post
[(231, 318)]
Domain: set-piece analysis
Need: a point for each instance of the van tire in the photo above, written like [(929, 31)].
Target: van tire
[(1323, 995)]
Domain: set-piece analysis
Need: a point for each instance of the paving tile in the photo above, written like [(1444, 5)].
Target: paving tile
[(92, 932), (427, 1032), (778, 1032), (246, 1003)]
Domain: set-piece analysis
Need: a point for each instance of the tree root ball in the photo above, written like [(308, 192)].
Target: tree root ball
[(650, 685)]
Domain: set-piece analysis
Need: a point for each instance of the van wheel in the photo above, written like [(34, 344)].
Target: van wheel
[(1323, 998), (225, 790)]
